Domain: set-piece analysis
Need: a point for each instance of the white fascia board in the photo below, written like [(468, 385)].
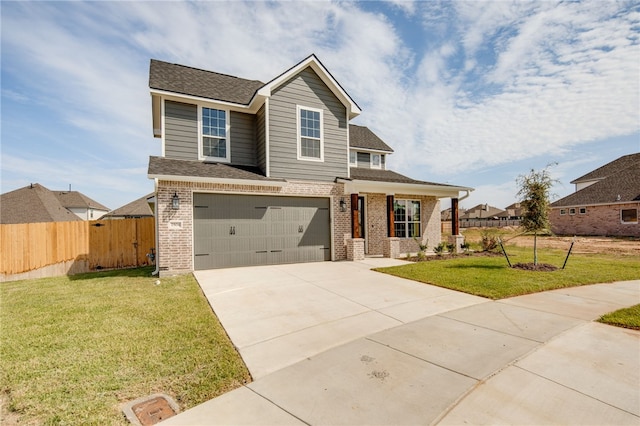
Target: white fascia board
[(200, 179), (252, 108), (352, 109), (373, 151), (357, 186), (156, 115)]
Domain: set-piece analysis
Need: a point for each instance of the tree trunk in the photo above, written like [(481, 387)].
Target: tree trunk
[(535, 248)]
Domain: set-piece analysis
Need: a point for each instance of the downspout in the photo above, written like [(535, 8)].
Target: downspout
[(466, 195), (155, 213)]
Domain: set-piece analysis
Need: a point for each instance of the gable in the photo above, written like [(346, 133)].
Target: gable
[(33, 204)]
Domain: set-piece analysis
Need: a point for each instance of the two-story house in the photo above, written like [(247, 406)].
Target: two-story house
[(256, 173)]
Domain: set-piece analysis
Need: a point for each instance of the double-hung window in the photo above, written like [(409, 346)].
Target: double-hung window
[(215, 141), (310, 143), (406, 218), (353, 158)]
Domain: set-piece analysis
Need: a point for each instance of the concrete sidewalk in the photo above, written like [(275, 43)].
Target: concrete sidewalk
[(419, 354)]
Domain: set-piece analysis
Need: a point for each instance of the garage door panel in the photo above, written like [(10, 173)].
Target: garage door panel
[(239, 230)]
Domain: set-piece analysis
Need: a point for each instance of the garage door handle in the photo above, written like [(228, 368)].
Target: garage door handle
[(262, 251), (276, 251), (232, 230), (300, 229)]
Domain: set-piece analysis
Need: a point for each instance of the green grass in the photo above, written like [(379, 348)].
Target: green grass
[(74, 348), (627, 318), (491, 277)]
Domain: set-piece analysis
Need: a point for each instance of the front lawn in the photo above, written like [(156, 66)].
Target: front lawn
[(627, 318), (72, 349), (491, 277)]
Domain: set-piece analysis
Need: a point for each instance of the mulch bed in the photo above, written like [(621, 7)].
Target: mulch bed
[(447, 256), (543, 267)]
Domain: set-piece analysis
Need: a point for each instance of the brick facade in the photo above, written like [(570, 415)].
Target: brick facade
[(175, 227), (597, 220), (376, 218)]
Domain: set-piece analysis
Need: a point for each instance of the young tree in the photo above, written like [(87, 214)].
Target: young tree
[(534, 197)]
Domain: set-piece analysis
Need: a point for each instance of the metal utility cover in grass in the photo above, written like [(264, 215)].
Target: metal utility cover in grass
[(150, 410)]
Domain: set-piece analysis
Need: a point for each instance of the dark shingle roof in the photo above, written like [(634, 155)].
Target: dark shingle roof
[(205, 84), (136, 208), (377, 175), (623, 186), (362, 137), (159, 166), (610, 168), (32, 204), (75, 199)]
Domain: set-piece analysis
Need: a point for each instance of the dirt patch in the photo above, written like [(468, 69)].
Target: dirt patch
[(589, 245), (542, 267)]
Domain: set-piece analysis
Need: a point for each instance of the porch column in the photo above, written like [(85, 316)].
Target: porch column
[(355, 218), (391, 230), (455, 223)]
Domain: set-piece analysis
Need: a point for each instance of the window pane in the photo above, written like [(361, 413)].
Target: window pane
[(353, 157), (400, 229), (399, 211), (629, 215), (414, 229), (310, 148)]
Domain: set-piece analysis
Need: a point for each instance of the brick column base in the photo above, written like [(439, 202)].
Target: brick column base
[(457, 241), (355, 249), (391, 247)]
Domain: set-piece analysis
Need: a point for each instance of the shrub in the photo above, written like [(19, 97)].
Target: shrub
[(489, 241)]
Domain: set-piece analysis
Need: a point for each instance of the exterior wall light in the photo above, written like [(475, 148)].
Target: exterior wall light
[(343, 205), (175, 201)]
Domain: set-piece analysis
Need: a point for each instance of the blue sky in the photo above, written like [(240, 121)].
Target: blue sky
[(469, 93)]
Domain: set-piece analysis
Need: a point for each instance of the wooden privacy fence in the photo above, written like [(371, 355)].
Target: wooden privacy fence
[(82, 246)]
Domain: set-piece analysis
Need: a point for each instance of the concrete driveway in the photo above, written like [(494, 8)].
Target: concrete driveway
[(279, 315), (335, 343)]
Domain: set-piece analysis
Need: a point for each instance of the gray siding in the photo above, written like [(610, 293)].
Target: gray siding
[(243, 139), (261, 154), (181, 131), (306, 89)]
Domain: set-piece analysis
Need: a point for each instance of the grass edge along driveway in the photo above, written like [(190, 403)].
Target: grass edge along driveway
[(492, 278), (72, 349)]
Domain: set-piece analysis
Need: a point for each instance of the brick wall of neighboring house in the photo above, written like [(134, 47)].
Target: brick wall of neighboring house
[(175, 227), (597, 220)]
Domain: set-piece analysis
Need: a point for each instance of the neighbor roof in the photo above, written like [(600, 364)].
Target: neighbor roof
[(623, 186), (161, 167), (610, 168), (196, 82), (75, 199), (481, 211), (136, 208), (33, 204), (362, 137)]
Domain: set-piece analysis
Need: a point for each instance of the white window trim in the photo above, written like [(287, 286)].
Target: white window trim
[(629, 223), (373, 166), (412, 221), (299, 139), (572, 211), (227, 120), (355, 164)]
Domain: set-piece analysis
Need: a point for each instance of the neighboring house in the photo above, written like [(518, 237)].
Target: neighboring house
[(606, 202), (480, 212), (512, 212), (256, 173), (81, 205), (142, 207), (32, 204)]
